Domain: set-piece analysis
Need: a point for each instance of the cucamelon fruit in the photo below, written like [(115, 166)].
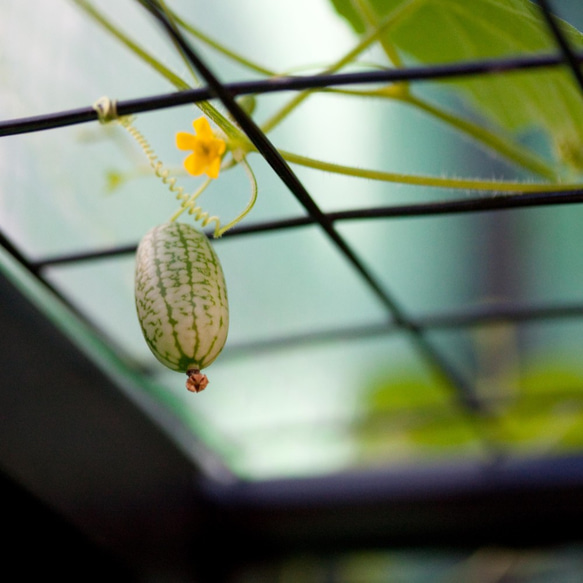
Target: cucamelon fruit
[(181, 299)]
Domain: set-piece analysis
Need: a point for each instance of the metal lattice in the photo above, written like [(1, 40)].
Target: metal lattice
[(398, 319)]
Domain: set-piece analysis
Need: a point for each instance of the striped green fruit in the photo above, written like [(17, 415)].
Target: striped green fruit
[(181, 299)]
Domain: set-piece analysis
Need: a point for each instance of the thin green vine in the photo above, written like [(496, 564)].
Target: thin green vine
[(368, 15), (238, 142), (207, 108), (419, 180), (500, 144), (219, 48), (346, 59)]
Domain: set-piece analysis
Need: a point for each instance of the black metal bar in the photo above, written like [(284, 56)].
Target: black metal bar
[(95, 255), (568, 54), (481, 316), (34, 270), (279, 84), (470, 205)]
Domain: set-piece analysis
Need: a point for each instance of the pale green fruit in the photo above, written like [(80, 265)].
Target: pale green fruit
[(181, 298)]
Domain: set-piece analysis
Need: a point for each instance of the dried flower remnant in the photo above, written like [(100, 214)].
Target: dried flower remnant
[(196, 381)]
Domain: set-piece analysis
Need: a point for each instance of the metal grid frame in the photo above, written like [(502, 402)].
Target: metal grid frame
[(398, 318), (523, 504)]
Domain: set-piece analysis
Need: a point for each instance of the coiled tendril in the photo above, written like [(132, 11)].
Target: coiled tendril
[(188, 201), (106, 111)]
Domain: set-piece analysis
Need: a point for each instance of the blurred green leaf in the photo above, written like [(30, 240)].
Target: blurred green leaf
[(548, 412), (402, 390), (444, 31), (406, 413), (562, 380), (404, 410)]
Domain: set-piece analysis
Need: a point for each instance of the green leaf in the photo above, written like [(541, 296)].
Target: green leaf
[(408, 408), (447, 31), (547, 412)]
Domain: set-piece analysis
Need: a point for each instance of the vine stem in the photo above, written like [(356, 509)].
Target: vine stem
[(254, 190), (367, 13), (502, 145), (89, 9), (496, 186), (498, 144), (247, 63), (506, 148), (348, 58), (207, 108)]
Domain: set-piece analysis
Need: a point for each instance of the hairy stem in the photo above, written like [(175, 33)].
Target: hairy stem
[(502, 145), (435, 181)]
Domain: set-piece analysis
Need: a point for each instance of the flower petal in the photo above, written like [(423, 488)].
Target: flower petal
[(194, 165), (214, 168), (203, 129), (220, 145), (185, 141)]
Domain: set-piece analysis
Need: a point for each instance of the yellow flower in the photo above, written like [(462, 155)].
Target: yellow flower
[(206, 148)]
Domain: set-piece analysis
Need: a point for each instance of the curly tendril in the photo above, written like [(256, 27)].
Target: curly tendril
[(187, 200), (207, 152)]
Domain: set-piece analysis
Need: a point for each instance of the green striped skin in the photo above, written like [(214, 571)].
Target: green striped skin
[(181, 297)]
